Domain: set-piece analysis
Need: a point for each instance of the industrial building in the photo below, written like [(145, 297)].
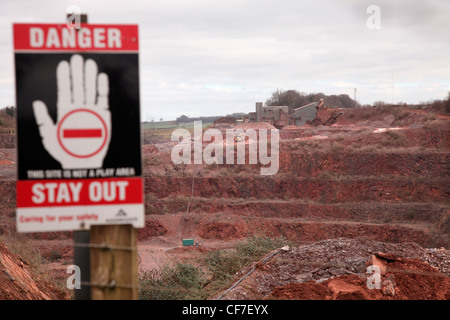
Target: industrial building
[(281, 116)]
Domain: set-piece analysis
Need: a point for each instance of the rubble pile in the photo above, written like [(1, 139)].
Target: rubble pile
[(337, 269)]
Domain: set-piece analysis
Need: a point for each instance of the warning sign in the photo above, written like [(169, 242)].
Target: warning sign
[(78, 126)]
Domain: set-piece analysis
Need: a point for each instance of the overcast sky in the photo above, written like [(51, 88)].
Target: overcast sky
[(215, 57)]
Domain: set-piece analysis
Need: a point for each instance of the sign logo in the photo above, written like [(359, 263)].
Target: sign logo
[(121, 213)]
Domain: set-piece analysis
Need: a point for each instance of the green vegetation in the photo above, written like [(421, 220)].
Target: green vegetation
[(400, 113), (430, 121), (18, 244), (224, 264), (440, 106), (171, 125), (185, 281), (295, 99), (179, 282), (151, 160), (337, 147), (379, 108), (158, 132), (394, 139)]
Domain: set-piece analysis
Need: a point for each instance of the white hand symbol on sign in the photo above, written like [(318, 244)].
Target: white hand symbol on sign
[(80, 138)]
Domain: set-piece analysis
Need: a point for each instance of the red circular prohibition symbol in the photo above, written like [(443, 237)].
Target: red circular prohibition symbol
[(78, 155)]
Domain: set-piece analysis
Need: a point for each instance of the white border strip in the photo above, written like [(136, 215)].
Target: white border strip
[(45, 219)]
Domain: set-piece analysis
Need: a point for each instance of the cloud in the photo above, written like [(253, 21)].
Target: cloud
[(205, 57)]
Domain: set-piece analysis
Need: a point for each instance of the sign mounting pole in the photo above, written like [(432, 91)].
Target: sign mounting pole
[(114, 262)]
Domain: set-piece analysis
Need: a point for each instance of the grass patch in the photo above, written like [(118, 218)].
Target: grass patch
[(431, 125), (223, 265), (18, 245), (184, 281), (159, 132), (171, 125), (181, 281)]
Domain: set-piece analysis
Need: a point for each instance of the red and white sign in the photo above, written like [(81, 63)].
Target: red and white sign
[(57, 37), (89, 168), (85, 192), (56, 205)]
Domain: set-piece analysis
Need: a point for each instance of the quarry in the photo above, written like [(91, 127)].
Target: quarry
[(355, 187)]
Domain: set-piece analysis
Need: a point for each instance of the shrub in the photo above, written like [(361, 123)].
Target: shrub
[(447, 103), (150, 197), (164, 210), (152, 160), (393, 139), (431, 125), (224, 264), (429, 116), (257, 246), (18, 244), (54, 256), (400, 113), (179, 282), (444, 226), (294, 145), (336, 147), (410, 214)]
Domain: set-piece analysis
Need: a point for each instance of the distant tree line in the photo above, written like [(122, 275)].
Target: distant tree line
[(185, 119), (294, 99)]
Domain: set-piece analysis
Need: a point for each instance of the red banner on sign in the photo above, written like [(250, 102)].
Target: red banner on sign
[(90, 37), (79, 192)]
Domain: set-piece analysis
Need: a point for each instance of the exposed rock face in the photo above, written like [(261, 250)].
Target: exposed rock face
[(17, 282)]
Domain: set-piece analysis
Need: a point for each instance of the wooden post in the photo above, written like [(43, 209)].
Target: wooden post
[(114, 262)]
